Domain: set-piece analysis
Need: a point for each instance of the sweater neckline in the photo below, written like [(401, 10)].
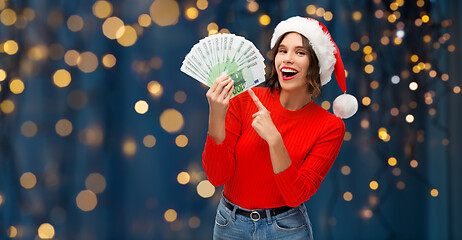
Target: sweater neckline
[(292, 114)]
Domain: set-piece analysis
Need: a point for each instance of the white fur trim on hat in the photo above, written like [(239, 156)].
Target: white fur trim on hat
[(319, 40)]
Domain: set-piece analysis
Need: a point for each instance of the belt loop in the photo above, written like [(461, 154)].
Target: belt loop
[(268, 215), (233, 215)]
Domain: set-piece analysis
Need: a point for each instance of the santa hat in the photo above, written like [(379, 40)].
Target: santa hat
[(328, 56)]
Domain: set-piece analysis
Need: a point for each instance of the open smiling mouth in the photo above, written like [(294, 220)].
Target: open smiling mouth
[(288, 73)]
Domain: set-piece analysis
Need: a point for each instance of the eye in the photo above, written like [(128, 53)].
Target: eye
[(301, 53), (282, 51)]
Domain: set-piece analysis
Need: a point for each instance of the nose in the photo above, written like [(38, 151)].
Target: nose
[(288, 58)]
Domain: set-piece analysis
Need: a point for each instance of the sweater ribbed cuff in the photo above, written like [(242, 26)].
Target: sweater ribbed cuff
[(287, 185)]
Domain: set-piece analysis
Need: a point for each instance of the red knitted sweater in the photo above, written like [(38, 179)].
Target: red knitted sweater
[(242, 163)]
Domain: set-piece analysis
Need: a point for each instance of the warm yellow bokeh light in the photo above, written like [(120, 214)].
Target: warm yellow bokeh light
[(8, 17), (171, 120), (310, 9), (102, 9), (7, 106), (144, 20), (10, 47), (71, 57), (109, 60), (434, 192), (129, 147), (357, 16), (369, 69), (192, 13), (183, 178), (365, 124), (414, 163), (165, 12), (414, 58), (456, 89), (212, 26), (264, 19), (181, 141), (63, 127), (347, 196), (366, 101), (326, 105), (2, 75), (16, 86), (46, 231), (392, 161), (87, 62), (141, 107), (320, 12), (75, 23), (205, 189), (149, 141), (367, 213), (354, 46), (202, 4), (374, 185), (128, 38), (28, 180), (62, 78), (328, 16), (170, 215), (38, 52), (113, 28), (425, 18), (346, 170), (252, 6), (86, 200), (96, 183), (347, 136), (92, 136), (367, 50), (12, 232), (1, 199)]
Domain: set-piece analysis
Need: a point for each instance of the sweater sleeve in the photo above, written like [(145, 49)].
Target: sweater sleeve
[(218, 160), (298, 185)]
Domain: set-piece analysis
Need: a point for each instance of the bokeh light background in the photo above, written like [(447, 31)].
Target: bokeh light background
[(101, 135)]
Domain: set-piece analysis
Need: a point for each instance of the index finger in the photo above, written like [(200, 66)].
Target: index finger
[(256, 100)]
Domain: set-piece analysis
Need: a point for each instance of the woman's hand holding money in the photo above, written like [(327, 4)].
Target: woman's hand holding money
[(218, 97)]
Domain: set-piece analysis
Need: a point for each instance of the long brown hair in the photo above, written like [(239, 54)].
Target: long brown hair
[(313, 76)]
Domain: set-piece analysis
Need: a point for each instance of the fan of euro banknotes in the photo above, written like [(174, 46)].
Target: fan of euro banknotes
[(228, 54)]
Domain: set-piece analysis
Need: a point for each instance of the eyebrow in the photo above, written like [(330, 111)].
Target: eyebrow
[(282, 45)]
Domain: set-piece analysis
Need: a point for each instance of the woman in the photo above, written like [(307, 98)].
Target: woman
[(272, 147)]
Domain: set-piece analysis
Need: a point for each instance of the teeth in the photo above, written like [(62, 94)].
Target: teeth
[(287, 70)]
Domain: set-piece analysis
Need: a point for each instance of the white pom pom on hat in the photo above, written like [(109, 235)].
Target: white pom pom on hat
[(328, 56)]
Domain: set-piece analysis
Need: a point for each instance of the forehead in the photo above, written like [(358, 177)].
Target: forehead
[(292, 38)]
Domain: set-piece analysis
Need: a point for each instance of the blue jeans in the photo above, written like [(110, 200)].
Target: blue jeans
[(293, 224)]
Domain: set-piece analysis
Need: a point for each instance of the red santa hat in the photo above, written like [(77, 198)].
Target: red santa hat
[(328, 56)]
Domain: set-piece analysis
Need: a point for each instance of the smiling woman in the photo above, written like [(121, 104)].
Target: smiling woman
[(272, 147)]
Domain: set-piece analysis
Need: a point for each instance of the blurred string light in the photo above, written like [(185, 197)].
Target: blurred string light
[(96, 183), (28, 180), (46, 231), (165, 12), (86, 200)]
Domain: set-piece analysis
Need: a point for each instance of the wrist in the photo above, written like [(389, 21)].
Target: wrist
[(275, 140)]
